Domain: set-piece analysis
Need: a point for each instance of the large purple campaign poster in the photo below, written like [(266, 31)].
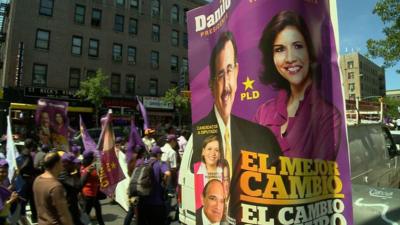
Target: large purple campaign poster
[(269, 132), (53, 124)]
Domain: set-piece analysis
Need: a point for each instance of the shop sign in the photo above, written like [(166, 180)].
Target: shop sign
[(156, 103), (50, 92)]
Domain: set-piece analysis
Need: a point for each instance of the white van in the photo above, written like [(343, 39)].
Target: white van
[(186, 195)]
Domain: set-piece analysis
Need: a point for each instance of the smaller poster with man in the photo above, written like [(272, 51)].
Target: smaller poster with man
[(52, 123)]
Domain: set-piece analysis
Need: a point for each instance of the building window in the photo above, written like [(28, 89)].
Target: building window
[(93, 47), (42, 39), (119, 23), (115, 83), (120, 3), (39, 76), (174, 63), (155, 8), (155, 34), (350, 64), (90, 73), (117, 52), (134, 4), (96, 17), (175, 14), (46, 7), (131, 55), (153, 87), (185, 65), (154, 59), (133, 25), (351, 87), (130, 84), (79, 14), (74, 78), (76, 45), (185, 40), (185, 10), (175, 38), (350, 75)]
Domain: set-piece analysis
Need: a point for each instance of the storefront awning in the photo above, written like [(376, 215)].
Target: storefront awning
[(15, 105)]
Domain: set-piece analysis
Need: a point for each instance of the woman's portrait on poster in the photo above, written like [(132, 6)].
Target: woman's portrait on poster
[(209, 167), (305, 124)]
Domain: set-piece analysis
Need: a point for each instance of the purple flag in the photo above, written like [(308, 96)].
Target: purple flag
[(110, 172), (134, 140), (88, 142), (144, 114)]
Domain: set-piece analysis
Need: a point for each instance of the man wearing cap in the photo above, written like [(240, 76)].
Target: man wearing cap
[(148, 138), (91, 184), (237, 134), (169, 153), (151, 209), (70, 179), (50, 198)]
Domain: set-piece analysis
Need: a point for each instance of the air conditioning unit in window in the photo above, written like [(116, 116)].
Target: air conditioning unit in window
[(156, 38), (154, 65), (117, 58), (132, 62)]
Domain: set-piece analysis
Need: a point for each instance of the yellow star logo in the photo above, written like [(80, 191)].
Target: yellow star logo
[(248, 84)]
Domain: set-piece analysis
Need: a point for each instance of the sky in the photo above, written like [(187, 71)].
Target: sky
[(357, 24)]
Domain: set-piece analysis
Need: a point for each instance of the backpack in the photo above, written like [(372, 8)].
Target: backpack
[(142, 180)]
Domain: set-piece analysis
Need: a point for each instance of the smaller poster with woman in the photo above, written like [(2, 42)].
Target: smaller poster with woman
[(212, 166), (52, 123)]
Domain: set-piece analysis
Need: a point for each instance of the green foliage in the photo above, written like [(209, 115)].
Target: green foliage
[(391, 107), (93, 89), (389, 47), (180, 102)]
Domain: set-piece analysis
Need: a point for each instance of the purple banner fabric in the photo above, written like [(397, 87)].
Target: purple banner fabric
[(144, 114), (110, 172), (269, 131), (88, 142), (133, 141), (53, 123)]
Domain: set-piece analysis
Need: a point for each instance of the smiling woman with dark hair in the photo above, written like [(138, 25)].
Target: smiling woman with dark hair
[(305, 124)]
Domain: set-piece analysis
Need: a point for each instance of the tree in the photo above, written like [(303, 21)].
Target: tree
[(180, 102), (389, 47), (93, 91), (391, 107)]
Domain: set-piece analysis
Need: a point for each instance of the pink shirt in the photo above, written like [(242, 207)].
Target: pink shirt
[(314, 131)]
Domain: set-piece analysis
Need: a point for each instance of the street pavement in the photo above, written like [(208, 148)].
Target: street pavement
[(113, 214)]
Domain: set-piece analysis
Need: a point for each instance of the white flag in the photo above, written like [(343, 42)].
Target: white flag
[(12, 152)]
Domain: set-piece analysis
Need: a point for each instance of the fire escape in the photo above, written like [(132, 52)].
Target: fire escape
[(4, 10)]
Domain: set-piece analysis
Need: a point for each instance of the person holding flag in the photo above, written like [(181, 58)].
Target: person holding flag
[(91, 183), (7, 198)]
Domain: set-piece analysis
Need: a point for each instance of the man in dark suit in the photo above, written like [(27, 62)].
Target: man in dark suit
[(236, 134), (213, 200)]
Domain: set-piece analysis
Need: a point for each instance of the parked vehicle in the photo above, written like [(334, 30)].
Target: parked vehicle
[(375, 165), (373, 156)]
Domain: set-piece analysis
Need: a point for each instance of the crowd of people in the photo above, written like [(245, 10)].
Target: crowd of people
[(62, 187)]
